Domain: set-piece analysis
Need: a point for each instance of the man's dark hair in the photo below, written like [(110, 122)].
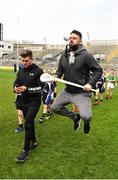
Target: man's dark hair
[(113, 69), (26, 53), (77, 33)]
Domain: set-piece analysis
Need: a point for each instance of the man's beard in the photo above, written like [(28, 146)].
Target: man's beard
[(73, 47)]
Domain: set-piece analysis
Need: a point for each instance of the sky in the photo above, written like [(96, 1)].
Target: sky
[(49, 21)]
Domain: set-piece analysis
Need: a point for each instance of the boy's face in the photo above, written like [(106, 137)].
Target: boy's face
[(27, 61)]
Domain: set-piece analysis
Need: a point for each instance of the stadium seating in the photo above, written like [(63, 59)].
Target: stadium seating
[(107, 51)]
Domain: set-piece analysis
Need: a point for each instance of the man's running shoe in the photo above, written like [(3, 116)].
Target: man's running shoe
[(86, 128)]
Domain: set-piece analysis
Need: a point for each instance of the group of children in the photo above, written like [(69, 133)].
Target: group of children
[(105, 83)]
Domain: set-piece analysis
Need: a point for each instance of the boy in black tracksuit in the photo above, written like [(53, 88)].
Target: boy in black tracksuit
[(30, 86)]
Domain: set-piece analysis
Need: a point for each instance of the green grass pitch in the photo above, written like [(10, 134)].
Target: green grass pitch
[(62, 153)]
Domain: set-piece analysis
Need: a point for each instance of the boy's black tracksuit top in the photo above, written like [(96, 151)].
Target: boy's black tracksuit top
[(30, 77)]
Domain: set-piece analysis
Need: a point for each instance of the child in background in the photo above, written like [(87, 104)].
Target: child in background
[(101, 86), (20, 113), (110, 84), (19, 107), (47, 98)]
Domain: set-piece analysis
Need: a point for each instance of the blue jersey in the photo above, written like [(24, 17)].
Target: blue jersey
[(48, 91), (100, 84)]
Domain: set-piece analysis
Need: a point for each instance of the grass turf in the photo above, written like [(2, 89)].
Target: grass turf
[(62, 153)]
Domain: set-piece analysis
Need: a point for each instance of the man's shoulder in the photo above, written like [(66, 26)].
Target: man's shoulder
[(87, 53)]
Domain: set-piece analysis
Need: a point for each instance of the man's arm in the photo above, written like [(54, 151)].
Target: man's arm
[(95, 68), (60, 70)]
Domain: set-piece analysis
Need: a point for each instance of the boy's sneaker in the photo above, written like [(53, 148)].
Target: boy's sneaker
[(101, 103), (110, 97), (77, 122), (86, 128), (95, 103), (49, 115), (106, 97), (41, 120), (22, 156), (18, 130), (33, 145)]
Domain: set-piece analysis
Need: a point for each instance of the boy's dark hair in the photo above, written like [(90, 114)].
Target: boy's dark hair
[(77, 33), (26, 53)]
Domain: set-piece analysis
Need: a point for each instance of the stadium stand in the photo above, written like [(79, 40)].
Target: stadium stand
[(48, 55)]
